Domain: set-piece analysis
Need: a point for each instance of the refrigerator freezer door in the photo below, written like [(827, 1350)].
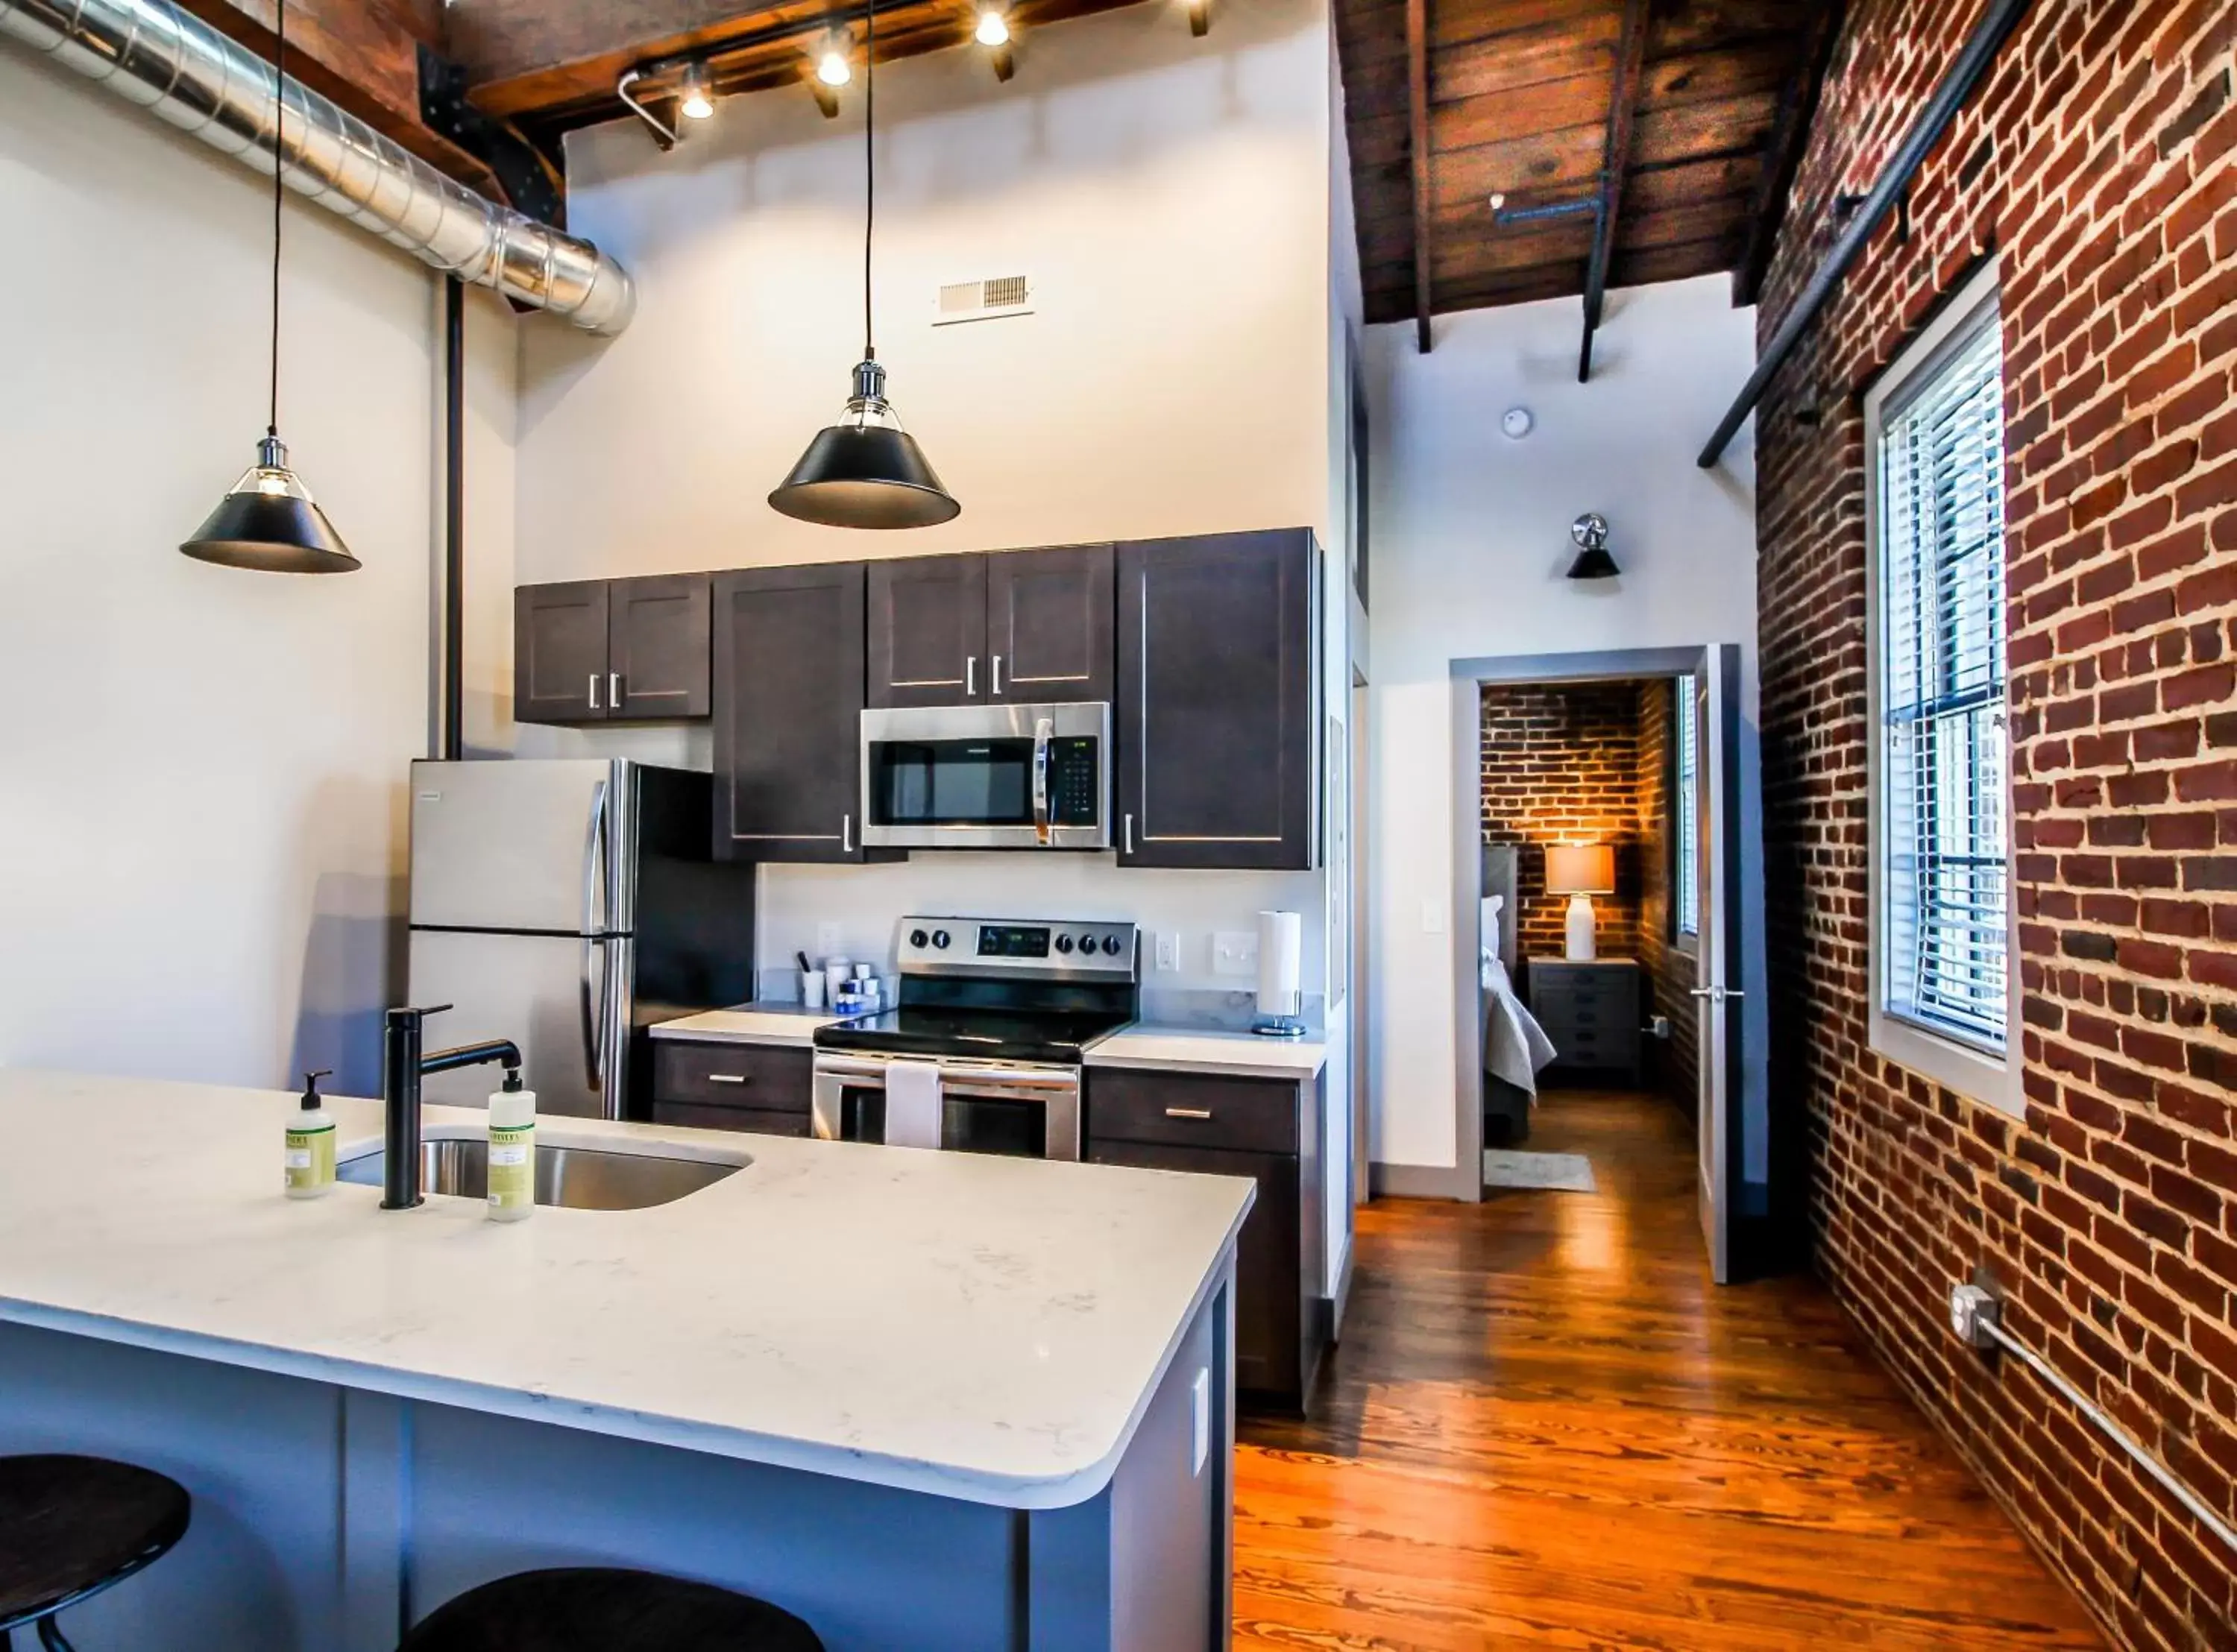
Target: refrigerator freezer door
[(563, 999), (528, 845)]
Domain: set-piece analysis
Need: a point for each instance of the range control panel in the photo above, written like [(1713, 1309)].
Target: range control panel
[(1014, 946)]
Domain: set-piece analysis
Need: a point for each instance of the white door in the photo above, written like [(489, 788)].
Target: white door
[(1718, 971)]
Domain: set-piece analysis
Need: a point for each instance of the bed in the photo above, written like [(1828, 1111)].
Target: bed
[(1514, 1046)]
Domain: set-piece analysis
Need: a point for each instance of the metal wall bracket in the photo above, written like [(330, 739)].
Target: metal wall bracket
[(530, 180)]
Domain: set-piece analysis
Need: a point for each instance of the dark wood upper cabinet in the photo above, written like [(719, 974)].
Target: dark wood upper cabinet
[(788, 676), (1216, 706), (927, 631), (559, 652), (599, 650), (1050, 619), (657, 636)]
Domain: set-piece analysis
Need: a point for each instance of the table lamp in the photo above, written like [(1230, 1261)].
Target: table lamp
[(1580, 871)]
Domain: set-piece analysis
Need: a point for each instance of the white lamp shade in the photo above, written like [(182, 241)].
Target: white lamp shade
[(1580, 869)]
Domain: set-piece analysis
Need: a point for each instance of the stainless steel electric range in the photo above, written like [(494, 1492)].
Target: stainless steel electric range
[(1004, 1007)]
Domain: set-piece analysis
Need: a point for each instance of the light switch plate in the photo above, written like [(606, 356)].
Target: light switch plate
[(829, 942), (1235, 951), (1200, 1405), (1169, 949)]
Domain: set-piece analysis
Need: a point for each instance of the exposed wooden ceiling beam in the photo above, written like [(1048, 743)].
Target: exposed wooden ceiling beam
[(1417, 127), (1797, 106), (1623, 107)]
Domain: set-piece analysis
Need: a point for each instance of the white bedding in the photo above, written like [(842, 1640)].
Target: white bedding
[(1514, 1045)]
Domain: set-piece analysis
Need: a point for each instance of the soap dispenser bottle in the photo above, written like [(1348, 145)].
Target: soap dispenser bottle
[(512, 1150), (311, 1143)]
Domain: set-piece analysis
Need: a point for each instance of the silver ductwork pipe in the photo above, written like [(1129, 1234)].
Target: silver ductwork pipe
[(151, 53)]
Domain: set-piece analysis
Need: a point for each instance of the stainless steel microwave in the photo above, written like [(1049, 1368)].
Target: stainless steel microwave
[(987, 777)]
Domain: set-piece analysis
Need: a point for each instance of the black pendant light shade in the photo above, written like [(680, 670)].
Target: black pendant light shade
[(270, 521), (1591, 533), (865, 471)]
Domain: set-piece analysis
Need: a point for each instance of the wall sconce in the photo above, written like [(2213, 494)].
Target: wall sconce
[(1591, 533)]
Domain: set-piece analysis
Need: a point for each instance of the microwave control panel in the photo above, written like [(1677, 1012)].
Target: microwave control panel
[(1075, 785)]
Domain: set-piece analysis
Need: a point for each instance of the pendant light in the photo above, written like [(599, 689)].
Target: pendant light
[(866, 471), (269, 520)]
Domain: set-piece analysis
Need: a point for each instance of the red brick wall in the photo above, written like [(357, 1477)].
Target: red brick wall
[(2096, 159), (1560, 765), (1675, 1065)]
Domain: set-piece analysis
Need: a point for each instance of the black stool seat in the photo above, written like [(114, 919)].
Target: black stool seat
[(70, 1526), (595, 1609)]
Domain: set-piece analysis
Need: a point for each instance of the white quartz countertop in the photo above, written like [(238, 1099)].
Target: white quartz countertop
[(749, 1024), (1198, 1050), (978, 1327)]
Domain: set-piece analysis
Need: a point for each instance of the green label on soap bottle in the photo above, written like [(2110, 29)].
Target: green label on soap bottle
[(310, 1159), (512, 1166)]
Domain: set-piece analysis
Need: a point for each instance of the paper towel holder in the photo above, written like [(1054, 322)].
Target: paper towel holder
[(1281, 997)]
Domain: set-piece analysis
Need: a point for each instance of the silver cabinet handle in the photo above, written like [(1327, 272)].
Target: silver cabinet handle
[(726, 1078), (1188, 1112), (970, 675), (846, 834), (997, 676), (1129, 834), (614, 690), (594, 691)]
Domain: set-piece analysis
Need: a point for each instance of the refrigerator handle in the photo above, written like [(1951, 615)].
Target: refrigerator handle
[(593, 1021), (594, 886)]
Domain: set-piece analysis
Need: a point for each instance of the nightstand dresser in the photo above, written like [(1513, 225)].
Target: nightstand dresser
[(1591, 1012)]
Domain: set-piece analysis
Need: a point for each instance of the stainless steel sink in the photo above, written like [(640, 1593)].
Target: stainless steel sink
[(578, 1178)]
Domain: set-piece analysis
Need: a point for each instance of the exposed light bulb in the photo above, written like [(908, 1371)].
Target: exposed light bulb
[(994, 28), (697, 100), (832, 68)]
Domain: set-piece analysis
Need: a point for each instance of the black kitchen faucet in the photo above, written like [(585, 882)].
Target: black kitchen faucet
[(402, 1067)]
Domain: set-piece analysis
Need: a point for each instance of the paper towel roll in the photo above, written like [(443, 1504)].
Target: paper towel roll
[(1281, 962)]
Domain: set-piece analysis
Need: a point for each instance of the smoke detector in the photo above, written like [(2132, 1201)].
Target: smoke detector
[(986, 299)]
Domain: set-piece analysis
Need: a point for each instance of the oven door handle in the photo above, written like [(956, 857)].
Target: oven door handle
[(1016, 1078), (1044, 732)]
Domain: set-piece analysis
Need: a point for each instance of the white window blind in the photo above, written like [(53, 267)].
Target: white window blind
[(1945, 827), (1686, 800)]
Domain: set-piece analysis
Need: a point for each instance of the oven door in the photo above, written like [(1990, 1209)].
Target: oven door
[(1021, 1110), (987, 777)]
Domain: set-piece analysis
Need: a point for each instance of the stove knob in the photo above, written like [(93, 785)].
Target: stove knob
[(917, 938), (1113, 946), (1064, 943), (939, 940)]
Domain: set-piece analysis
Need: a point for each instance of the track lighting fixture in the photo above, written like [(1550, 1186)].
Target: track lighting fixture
[(833, 67), (994, 28), (1199, 16), (695, 96)]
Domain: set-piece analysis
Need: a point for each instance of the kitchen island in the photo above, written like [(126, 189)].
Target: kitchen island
[(921, 1399)]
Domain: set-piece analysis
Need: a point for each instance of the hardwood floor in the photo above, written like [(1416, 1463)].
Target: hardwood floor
[(1545, 1427)]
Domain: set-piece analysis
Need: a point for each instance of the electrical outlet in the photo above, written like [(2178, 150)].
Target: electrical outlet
[(829, 942), (1169, 949), (1235, 952)]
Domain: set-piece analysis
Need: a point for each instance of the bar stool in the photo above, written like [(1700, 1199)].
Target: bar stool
[(69, 1527), (597, 1608)]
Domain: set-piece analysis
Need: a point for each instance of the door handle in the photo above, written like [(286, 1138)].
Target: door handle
[(970, 676), (594, 691), (846, 834), (613, 690), (1716, 994), (997, 676)]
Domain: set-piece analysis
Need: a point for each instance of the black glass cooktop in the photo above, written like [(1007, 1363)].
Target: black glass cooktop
[(1052, 1037)]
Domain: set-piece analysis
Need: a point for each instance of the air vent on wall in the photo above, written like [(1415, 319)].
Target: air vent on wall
[(984, 300)]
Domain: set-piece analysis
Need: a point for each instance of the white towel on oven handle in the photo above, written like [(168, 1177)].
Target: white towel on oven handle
[(913, 1104)]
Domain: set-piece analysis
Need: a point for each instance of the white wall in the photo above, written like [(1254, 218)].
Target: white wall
[(1470, 539), (204, 829)]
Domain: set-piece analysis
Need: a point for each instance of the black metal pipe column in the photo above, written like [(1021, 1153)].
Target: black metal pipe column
[(1980, 51), (453, 744)]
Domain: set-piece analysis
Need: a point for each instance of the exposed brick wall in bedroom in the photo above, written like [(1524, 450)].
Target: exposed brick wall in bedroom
[(1560, 765), (2096, 161)]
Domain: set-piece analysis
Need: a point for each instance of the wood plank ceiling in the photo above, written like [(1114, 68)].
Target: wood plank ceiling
[(1675, 120)]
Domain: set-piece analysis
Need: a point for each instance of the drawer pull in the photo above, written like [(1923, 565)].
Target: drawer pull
[(1188, 1112), (726, 1078)]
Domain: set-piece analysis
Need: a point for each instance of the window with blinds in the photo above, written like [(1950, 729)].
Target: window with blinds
[(1945, 827), (1686, 811)]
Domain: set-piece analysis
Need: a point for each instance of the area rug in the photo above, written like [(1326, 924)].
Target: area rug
[(1563, 1172)]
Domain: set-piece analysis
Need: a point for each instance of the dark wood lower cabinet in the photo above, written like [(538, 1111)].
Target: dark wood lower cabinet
[(729, 1086), (1267, 1131)]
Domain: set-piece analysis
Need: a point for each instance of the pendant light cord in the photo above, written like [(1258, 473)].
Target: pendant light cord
[(870, 162), (279, 111)]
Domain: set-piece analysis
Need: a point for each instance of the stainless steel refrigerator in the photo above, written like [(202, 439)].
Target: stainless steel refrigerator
[(568, 904)]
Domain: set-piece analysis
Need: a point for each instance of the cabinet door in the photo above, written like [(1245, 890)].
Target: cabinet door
[(1051, 624), (1269, 1290), (559, 652), (1216, 704), (928, 631), (657, 646), (787, 712)]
